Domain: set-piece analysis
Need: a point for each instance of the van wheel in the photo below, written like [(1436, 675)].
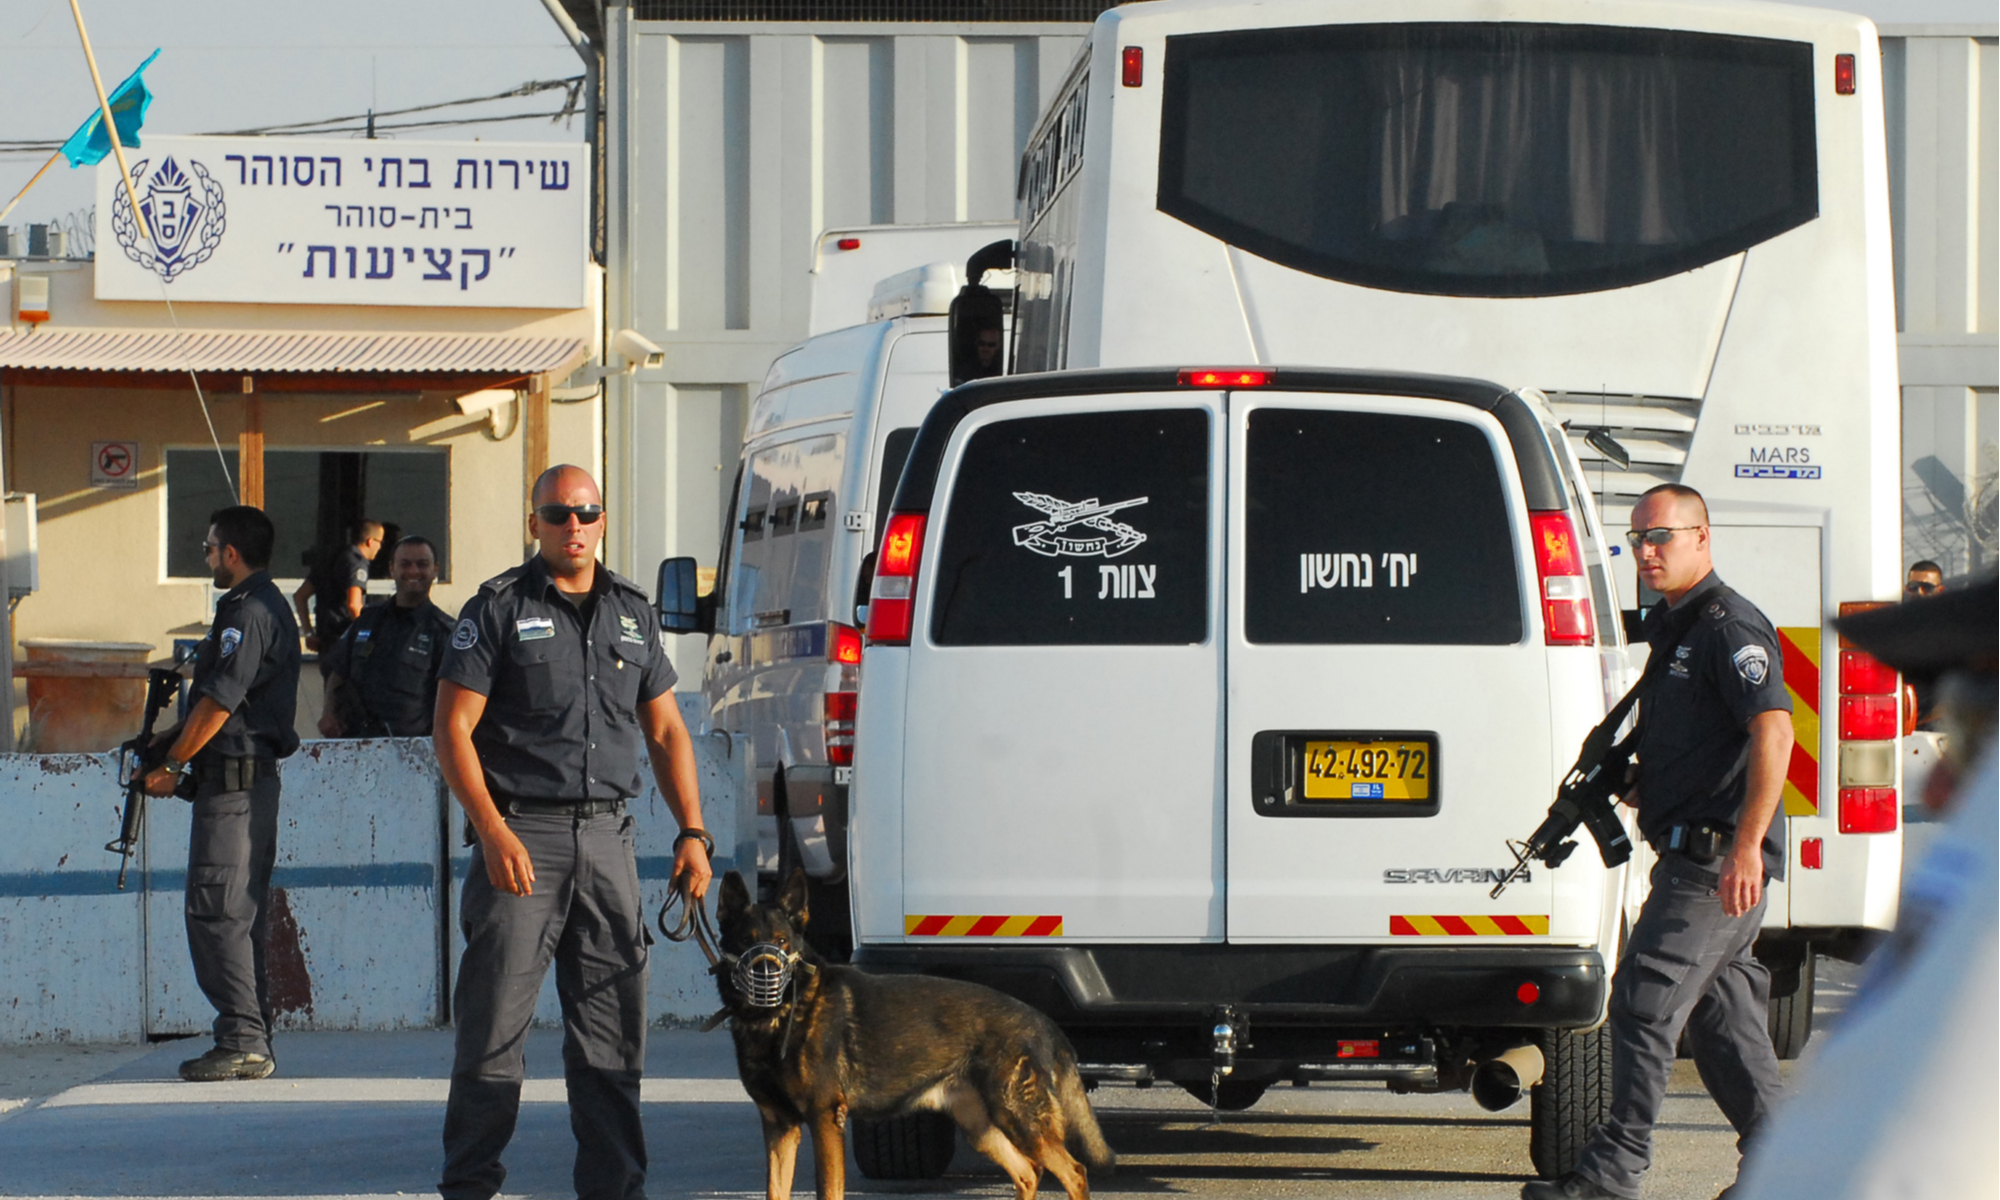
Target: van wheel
[(1234, 1095), (1792, 1016), (1572, 1098), (915, 1145)]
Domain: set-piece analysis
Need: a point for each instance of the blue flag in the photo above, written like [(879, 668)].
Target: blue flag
[(128, 103)]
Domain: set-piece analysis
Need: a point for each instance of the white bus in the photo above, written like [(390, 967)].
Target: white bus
[(1672, 219)]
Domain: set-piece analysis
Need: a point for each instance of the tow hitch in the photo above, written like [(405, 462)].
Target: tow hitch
[(1230, 1028)]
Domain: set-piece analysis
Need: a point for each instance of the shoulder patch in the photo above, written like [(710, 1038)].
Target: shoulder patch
[(231, 638), (466, 636), (1753, 664)]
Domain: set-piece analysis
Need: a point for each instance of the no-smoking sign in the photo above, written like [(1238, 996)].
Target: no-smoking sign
[(114, 464)]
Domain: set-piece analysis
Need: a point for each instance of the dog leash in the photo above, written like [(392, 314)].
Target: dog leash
[(694, 923)]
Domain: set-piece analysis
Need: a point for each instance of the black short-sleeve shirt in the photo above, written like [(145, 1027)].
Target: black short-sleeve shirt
[(562, 700), (345, 569), (1694, 725), (390, 657), (249, 664)]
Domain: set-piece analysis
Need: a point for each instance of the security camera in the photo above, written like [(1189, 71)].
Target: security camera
[(486, 400), (637, 351)]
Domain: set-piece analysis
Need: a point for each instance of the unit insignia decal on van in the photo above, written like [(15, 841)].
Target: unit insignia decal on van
[(1051, 536)]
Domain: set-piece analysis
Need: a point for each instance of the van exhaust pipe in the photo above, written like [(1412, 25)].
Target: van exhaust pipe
[(1500, 1082)]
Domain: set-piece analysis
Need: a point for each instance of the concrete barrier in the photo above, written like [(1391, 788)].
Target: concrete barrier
[(363, 935)]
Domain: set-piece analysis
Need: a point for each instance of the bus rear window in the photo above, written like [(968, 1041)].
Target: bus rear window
[(1376, 528), (1083, 529), (1488, 159)]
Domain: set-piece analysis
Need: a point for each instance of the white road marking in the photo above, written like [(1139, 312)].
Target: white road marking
[(367, 1091)]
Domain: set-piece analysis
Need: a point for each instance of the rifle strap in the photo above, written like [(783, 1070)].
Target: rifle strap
[(1679, 621)]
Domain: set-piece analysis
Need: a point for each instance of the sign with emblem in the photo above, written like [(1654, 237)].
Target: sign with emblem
[(307, 221), (114, 465)]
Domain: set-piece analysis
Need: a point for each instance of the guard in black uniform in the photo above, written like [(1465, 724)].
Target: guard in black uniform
[(555, 688), (245, 691), (337, 587), (1715, 740), (382, 674)]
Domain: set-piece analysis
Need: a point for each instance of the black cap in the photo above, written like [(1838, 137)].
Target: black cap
[(1950, 631)]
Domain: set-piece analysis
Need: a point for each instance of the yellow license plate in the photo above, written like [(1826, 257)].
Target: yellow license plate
[(1388, 769)]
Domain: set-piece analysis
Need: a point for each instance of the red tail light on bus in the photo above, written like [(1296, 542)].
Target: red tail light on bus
[(891, 598), (1867, 717), (1868, 810), (1565, 591)]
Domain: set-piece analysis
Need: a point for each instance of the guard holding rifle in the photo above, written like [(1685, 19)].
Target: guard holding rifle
[(245, 690), (556, 689), (1714, 742), (381, 678)]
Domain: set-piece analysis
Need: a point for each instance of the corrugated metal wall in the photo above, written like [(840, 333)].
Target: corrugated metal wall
[(734, 145), (1941, 95)]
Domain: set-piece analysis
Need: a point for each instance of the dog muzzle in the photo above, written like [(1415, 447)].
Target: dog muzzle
[(763, 974)]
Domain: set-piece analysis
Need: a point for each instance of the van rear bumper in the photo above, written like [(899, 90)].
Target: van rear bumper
[(1348, 987)]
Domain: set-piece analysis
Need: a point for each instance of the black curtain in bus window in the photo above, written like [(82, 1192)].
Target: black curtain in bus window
[(1376, 528), (1083, 529), (1488, 159)]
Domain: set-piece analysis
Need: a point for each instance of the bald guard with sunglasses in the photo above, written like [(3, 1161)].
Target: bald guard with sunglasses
[(1715, 739), (555, 688)]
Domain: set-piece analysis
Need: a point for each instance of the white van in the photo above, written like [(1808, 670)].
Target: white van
[(1198, 709), (825, 444)]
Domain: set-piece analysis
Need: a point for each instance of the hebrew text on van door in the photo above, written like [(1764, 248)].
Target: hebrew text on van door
[(1355, 570), (307, 221)]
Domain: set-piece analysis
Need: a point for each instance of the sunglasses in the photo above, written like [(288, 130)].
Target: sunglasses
[(207, 546), (1917, 587), (1658, 535), (559, 514)]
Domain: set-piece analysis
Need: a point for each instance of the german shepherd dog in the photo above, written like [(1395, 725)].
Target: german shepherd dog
[(817, 1043)]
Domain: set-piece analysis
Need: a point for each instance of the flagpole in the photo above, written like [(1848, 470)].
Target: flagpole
[(53, 160), (110, 126)]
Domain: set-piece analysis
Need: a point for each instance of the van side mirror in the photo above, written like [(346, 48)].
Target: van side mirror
[(977, 346), (681, 609)]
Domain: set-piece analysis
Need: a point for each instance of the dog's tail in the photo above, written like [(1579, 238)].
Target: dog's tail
[(1085, 1139)]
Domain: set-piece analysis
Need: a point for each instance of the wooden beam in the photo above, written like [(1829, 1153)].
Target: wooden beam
[(535, 426), (250, 449)]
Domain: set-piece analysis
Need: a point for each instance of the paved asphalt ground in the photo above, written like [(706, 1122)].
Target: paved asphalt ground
[(359, 1115)]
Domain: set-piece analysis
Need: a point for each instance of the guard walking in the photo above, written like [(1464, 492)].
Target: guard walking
[(382, 674), (337, 587), (1715, 740), (554, 691), (245, 692)]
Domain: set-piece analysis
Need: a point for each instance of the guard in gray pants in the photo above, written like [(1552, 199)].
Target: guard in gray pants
[(555, 689), (245, 690), (1715, 740)]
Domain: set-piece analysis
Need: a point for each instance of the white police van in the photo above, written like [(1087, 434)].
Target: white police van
[(1199, 706), (826, 440)]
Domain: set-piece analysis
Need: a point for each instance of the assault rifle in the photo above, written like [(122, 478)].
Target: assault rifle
[(138, 757), (1588, 795)]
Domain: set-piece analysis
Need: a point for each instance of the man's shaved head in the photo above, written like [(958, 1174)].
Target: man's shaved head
[(560, 484), (1688, 503)]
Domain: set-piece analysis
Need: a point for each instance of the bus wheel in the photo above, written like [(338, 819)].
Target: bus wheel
[(915, 1145), (1792, 1015), (1572, 1098)]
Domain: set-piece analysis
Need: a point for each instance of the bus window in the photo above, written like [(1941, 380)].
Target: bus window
[(1082, 529), (1349, 539), (1488, 159)]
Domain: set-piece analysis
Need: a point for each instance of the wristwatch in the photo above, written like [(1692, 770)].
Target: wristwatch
[(699, 835), (175, 767)]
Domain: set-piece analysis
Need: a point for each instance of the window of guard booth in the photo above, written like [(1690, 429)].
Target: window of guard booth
[(314, 498), (1488, 159), (1079, 529)]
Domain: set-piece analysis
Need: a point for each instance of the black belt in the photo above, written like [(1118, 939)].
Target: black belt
[(512, 807), (1700, 842), (235, 774)]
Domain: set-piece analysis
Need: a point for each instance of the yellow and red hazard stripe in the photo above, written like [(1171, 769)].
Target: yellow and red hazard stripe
[(1472, 925), (983, 926), (1801, 647)]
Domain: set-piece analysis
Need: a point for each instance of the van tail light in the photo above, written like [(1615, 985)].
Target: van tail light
[(1134, 66), (893, 596), (1868, 810), (1871, 718), (840, 728), (843, 644), (1843, 74), (1565, 591), (1224, 377)]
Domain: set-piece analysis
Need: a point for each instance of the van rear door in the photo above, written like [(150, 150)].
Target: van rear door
[(1388, 727), (1062, 743)]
